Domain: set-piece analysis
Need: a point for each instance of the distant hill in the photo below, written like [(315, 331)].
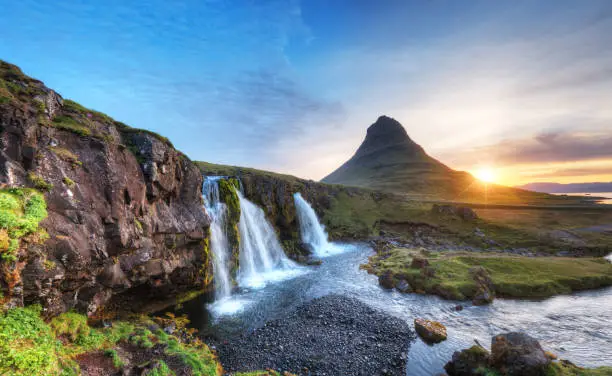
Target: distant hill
[(568, 188), (389, 160)]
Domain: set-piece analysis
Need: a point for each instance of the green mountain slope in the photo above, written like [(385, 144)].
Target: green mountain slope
[(389, 160)]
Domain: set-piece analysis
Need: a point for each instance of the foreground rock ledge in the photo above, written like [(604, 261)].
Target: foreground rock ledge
[(333, 335)]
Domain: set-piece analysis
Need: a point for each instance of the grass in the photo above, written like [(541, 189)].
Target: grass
[(512, 276), (39, 182), (227, 170), (66, 155), (67, 123), (563, 368)]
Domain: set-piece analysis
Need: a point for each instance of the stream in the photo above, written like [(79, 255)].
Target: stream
[(576, 327)]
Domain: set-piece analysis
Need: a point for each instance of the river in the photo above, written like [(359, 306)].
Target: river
[(576, 327)]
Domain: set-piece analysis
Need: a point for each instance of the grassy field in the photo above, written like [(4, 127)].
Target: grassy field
[(450, 274)]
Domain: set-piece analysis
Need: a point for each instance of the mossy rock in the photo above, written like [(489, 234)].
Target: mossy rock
[(430, 331)]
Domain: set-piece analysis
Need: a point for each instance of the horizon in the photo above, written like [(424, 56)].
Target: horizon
[(292, 86)]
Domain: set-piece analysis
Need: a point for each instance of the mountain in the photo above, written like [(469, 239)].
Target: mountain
[(568, 188), (388, 159)]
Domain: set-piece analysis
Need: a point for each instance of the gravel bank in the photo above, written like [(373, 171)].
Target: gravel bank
[(333, 335)]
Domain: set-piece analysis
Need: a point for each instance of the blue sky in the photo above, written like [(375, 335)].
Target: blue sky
[(523, 87)]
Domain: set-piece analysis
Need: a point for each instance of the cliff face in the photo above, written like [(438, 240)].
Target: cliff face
[(125, 215)]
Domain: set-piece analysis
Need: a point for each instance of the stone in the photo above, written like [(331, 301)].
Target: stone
[(518, 354), (386, 280), (430, 331), (403, 286), (467, 362), (419, 262), (485, 290)]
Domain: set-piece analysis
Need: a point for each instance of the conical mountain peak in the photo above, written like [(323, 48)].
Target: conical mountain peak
[(389, 160)]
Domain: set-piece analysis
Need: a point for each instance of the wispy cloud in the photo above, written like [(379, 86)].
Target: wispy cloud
[(542, 148)]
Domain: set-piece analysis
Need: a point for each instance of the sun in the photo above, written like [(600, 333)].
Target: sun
[(486, 174)]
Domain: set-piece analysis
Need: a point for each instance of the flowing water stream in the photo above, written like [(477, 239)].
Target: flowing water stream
[(575, 327)]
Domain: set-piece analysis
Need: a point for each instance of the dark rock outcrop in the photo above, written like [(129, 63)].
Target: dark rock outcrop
[(468, 362), (518, 354), (512, 354), (462, 212), (125, 210)]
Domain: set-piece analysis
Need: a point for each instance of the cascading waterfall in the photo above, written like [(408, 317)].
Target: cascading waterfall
[(218, 238), (262, 258), (311, 230)]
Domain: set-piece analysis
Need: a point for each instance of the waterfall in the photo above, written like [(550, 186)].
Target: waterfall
[(311, 231), (262, 258), (218, 238)]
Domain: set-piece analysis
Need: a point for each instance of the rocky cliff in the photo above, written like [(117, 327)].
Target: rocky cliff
[(125, 217)]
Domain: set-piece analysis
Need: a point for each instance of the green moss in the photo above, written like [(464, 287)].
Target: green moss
[(21, 210), (138, 224), (39, 182), (117, 361), (69, 182), (512, 276), (66, 155), (564, 368), (67, 123)]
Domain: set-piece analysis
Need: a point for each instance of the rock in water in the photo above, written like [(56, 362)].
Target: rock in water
[(430, 331), (333, 335), (386, 280), (518, 354), (468, 362), (486, 290)]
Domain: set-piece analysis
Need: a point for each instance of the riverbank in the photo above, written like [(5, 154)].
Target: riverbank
[(332, 335), (480, 276)]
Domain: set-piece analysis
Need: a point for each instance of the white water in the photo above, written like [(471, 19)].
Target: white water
[(311, 230), (262, 259), (218, 238)]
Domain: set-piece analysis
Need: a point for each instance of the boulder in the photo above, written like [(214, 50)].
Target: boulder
[(462, 212), (517, 354), (485, 290), (419, 262), (430, 331), (386, 280), (403, 286), (468, 362)]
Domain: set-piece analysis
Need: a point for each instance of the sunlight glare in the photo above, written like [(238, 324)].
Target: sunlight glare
[(486, 175)]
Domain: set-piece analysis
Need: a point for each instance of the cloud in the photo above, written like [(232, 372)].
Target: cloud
[(577, 172), (549, 147)]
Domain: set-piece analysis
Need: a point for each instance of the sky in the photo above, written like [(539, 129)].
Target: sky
[(522, 88)]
